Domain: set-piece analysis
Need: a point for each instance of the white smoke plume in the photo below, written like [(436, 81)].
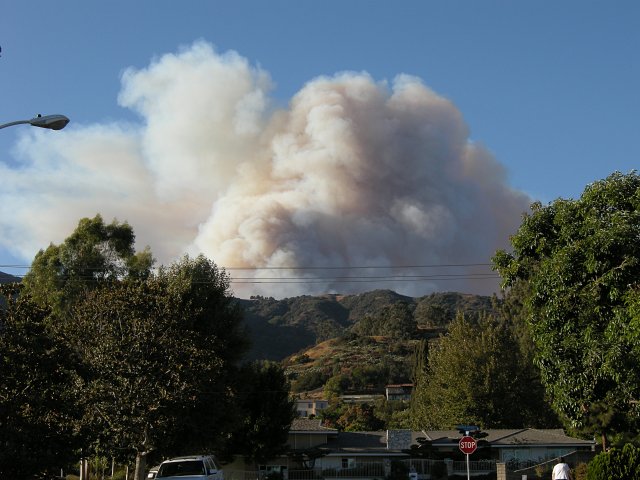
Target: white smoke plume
[(352, 173)]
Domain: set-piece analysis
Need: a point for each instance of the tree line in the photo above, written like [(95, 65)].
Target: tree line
[(101, 355)]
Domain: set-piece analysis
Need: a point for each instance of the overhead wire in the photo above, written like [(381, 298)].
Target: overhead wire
[(374, 277)]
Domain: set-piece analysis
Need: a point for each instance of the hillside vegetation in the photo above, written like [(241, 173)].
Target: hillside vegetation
[(282, 328), (359, 364), (7, 278)]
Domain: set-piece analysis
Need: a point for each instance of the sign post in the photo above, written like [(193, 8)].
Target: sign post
[(468, 445)]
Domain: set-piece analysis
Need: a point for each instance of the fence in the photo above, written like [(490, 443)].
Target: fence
[(423, 469), (517, 470)]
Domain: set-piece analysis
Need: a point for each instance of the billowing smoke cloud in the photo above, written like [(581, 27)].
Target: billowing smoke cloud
[(353, 173)]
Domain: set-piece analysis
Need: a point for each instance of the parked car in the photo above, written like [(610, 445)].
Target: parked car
[(196, 467), (153, 471)]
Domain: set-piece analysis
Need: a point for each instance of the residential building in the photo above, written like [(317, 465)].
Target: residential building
[(401, 391), (324, 453), (307, 407)]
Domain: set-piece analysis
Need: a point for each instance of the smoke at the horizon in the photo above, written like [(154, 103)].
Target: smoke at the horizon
[(352, 173)]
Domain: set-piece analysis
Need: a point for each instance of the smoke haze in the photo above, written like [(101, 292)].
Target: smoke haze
[(353, 172)]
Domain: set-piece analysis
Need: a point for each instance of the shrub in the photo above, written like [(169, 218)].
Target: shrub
[(399, 471), (616, 464), (439, 470), (273, 476), (580, 472)]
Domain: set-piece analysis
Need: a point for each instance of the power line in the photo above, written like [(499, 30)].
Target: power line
[(310, 267), (303, 281), (318, 278)]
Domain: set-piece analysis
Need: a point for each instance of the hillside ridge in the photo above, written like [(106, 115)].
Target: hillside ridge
[(281, 328)]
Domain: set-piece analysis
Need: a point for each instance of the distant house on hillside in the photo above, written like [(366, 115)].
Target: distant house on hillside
[(401, 391), (363, 398), (307, 407)]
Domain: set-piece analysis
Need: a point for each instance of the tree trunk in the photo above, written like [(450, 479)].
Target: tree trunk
[(604, 442), (141, 466)]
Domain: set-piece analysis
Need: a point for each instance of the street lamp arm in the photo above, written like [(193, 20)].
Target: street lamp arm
[(11, 124), (52, 122)]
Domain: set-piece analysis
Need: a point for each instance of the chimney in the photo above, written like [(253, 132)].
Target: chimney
[(398, 439)]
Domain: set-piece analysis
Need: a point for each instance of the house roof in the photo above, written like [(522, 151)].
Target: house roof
[(510, 437), (375, 443), (309, 425)]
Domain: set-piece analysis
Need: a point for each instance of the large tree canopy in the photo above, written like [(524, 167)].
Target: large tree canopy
[(580, 260), (395, 320), (476, 374), (93, 254), (161, 355), (268, 410), (100, 355)]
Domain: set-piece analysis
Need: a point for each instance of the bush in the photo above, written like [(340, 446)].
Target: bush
[(580, 472), (273, 476), (399, 471), (616, 464), (309, 381), (121, 474), (439, 470)]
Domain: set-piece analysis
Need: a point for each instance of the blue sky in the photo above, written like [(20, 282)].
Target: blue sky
[(548, 89)]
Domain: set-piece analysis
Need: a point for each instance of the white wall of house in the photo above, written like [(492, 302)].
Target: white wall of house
[(533, 453), (309, 407)]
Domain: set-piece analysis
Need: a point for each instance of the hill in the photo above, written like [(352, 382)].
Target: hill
[(6, 278), (281, 328), (362, 364)]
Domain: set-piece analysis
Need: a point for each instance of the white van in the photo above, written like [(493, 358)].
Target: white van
[(196, 467)]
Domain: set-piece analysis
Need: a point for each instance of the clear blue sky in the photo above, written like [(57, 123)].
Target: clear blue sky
[(550, 88)]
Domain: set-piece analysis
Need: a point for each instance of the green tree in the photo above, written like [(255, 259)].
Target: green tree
[(512, 314), (336, 386), (309, 381), (474, 374), (368, 377), (419, 405), (580, 260), (93, 254), (431, 315), (38, 421), (394, 414), (358, 417), (616, 464), (395, 320), (161, 355), (266, 410)]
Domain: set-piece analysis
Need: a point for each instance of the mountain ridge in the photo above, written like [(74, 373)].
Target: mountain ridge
[(281, 328)]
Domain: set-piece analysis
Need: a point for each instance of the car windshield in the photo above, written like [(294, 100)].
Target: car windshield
[(181, 468)]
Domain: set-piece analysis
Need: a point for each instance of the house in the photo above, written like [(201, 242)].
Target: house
[(361, 398), (307, 407), (401, 391), (324, 453), (306, 434), (508, 445)]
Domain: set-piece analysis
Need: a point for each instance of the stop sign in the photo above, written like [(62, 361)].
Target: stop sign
[(467, 445)]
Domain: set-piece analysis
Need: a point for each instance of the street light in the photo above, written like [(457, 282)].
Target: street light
[(52, 122)]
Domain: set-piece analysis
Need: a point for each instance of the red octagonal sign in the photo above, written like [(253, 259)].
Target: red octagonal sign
[(468, 445)]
